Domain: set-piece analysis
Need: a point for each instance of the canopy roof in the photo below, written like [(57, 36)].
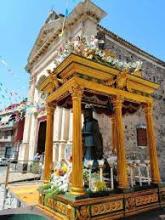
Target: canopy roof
[(100, 83)]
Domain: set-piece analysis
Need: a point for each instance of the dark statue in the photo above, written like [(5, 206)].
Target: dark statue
[(92, 138)]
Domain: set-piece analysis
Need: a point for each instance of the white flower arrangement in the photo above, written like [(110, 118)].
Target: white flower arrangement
[(90, 49), (61, 175)]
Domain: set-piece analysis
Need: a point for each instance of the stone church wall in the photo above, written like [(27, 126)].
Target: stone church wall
[(156, 74)]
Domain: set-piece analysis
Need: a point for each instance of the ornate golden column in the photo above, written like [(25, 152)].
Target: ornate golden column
[(114, 138), (77, 155), (49, 143), (121, 154), (155, 173)]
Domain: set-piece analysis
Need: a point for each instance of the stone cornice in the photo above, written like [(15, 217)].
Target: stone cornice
[(85, 9)]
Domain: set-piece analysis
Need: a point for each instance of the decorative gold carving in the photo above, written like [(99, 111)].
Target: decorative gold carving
[(118, 102), (86, 210), (146, 199), (110, 82), (138, 73), (97, 87), (49, 109), (50, 203), (140, 200), (131, 203), (60, 207), (121, 81), (83, 213), (54, 81), (70, 212), (76, 91), (148, 108), (41, 199), (107, 207), (162, 195)]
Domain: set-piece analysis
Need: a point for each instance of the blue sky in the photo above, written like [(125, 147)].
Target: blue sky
[(138, 21)]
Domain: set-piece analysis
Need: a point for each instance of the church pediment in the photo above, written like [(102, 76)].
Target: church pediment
[(52, 23)]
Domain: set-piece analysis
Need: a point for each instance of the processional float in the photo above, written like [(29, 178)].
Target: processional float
[(92, 79)]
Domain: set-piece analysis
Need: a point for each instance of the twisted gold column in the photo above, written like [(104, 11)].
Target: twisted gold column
[(77, 155), (121, 154), (155, 173), (49, 143)]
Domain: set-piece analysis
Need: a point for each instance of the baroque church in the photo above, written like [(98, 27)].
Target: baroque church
[(84, 21)]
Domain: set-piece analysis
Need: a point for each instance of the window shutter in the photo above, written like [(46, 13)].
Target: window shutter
[(141, 137)]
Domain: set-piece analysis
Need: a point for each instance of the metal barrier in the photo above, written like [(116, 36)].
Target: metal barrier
[(19, 171), (15, 172)]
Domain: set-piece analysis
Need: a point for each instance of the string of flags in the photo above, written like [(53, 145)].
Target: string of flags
[(8, 96), (15, 97), (17, 112), (6, 65)]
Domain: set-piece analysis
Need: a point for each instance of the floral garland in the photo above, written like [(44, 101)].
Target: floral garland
[(90, 49)]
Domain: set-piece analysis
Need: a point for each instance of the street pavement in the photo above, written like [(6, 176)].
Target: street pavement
[(15, 176), (2, 171)]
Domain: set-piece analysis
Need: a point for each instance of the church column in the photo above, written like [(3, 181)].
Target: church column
[(64, 133), (121, 154), (49, 143), (77, 157), (70, 135), (155, 173), (24, 150), (57, 131)]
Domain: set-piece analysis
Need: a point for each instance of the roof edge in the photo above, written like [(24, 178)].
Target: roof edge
[(132, 46)]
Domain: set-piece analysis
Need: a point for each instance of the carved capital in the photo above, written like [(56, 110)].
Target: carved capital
[(148, 108), (121, 81), (76, 91), (50, 109), (118, 102)]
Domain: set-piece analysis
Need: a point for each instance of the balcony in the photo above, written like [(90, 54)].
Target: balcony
[(7, 139)]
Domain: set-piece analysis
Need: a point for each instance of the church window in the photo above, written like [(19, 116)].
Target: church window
[(141, 135)]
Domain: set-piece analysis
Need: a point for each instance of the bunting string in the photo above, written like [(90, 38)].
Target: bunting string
[(11, 72)]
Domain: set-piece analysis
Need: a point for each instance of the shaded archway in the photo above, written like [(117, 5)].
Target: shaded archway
[(41, 137)]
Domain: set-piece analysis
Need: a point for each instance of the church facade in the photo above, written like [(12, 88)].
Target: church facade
[(84, 21)]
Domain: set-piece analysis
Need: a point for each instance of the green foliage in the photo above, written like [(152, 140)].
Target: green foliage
[(44, 188), (86, 176), (50, 191), (100, 186)]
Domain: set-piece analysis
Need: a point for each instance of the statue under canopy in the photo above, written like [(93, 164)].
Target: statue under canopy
[(92, 138)]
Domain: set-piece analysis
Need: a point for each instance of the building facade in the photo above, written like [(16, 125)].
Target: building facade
[(84, 21), (11, 131)]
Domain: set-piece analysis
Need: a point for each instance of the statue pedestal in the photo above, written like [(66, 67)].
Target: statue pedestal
[(105, 204)]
